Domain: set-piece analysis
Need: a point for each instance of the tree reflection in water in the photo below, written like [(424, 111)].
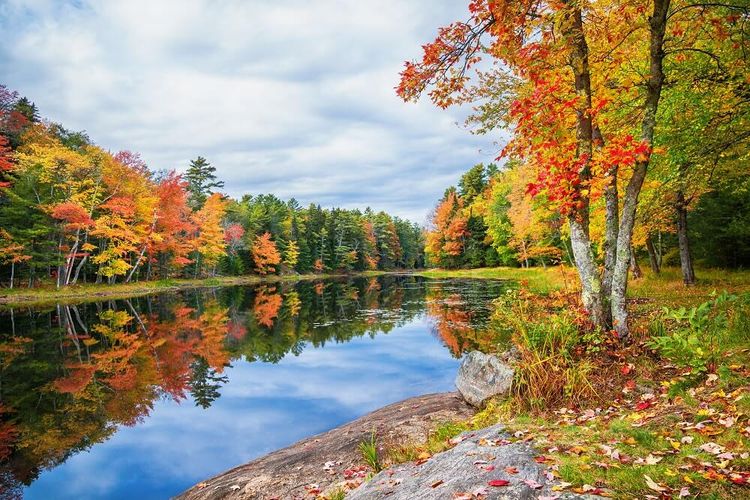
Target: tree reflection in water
[(71, 374)]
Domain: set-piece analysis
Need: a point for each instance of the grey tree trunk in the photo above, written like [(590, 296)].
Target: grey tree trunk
[(578, 221), (657, 28), (635, 268), (653, 259), (588, 271), (686, 259), (137, 263), (612, 221)]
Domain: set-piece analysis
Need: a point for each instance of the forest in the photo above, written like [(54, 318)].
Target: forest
[(72, 212), (597, 256), (628, 127)]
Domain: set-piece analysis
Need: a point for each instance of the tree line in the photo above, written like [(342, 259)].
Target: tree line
[(488, 220), (621, 115), (72, 212)]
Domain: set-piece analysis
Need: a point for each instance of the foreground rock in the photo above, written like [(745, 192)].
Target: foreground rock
[(321, 460), (467, 471), (482, 376)]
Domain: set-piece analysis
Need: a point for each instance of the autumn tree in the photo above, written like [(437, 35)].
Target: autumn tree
[(265, 255), (210, 241), (583, 119), (11, 252), (170, 245), (445, 242)]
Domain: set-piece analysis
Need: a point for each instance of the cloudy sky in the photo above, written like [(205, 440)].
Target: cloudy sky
[(292, 97)]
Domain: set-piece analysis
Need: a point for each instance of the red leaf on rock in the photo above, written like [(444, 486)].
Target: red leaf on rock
[(499, 482)]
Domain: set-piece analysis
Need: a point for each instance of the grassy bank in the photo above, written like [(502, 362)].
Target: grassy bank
[(93, 292), (665, 416), (665, 288)]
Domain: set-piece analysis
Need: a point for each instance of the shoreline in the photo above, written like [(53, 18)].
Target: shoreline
[(327, 459), (92, 292)]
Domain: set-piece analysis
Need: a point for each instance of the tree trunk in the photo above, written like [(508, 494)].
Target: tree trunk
[(78, 269), (657, 24), (137, 263), (612, 221), (591, 288), (653, 259), (588, 271), (635, 268), (12, 273), (686, 260)]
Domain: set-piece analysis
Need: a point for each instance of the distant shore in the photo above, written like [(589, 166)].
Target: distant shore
[(91, 292), (88, 292)]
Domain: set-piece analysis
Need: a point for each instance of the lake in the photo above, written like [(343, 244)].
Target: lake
[(142, 398)]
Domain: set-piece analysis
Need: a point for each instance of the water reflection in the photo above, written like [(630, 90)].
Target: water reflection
[(72, 376)]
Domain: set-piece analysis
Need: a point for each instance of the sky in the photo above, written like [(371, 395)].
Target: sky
[(290, 97)]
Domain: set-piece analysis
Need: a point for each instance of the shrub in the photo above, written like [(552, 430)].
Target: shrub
[(696, 338), (553, 338)]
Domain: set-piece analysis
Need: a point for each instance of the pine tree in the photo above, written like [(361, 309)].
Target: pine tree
[(201, 179)]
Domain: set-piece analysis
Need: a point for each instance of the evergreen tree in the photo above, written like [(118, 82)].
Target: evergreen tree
[(201, 179), (28, 109)]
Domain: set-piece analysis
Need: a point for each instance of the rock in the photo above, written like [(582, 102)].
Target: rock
[(481, 376), (480, 458), (323, 460)]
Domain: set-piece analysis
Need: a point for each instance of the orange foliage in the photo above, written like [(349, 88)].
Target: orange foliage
[(267, 305), (265, 254)]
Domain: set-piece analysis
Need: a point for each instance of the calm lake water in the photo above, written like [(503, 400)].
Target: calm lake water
[(143, 398)]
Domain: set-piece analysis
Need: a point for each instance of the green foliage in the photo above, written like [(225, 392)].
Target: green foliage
[(695, 337), (201, 179)]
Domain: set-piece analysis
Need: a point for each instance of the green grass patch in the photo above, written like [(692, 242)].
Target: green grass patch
[(439, 440)]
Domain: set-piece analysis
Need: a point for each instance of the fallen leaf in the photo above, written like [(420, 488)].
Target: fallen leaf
[(653, 485), (511, 470), (561, 486), (498, 482), (436, 483), (532, 484), (711, 448), (479, 491)]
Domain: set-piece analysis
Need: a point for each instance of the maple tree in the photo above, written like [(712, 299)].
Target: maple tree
[(6, 161), (171, 246), (582, 119), (210, 242), (11, 252), (265, 254), (446, 241)]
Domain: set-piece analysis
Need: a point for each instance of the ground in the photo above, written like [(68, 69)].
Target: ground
[(656, 423)]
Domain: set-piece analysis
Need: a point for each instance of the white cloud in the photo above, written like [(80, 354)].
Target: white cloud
[(290, 97)]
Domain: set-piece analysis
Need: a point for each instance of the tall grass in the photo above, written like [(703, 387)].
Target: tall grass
[(552, 343), (369, 452)]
